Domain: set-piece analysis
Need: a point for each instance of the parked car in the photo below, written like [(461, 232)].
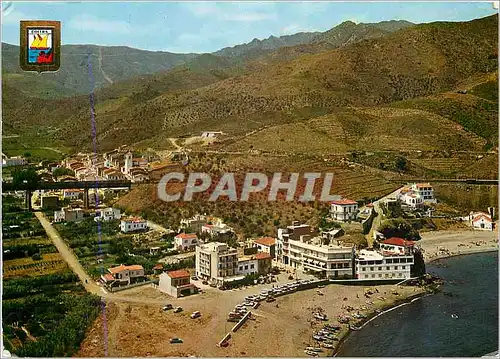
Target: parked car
[(178, 310), (196, 315), (194, 278), (168, 307), (176, 341), (204, 282)]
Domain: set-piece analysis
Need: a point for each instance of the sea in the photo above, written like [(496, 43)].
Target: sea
[(459, 321)]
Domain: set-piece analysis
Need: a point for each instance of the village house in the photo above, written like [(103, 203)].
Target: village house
[(285, 234), (185, 241), (193, 224), (133, 224), (411, 198), (107, 214), (13, 161), (217, 262), (266, 245), (123, 275), (481, 221), (211, 134), (218, 229), (248, 265), (332, 234), (112, 174), (344, 210), (176, 283), (72, 194), (67, 214)]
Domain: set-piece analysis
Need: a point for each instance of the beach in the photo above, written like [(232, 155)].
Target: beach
[(281, 328)]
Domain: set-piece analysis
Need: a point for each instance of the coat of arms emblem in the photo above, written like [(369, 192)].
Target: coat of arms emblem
[(40, 46)]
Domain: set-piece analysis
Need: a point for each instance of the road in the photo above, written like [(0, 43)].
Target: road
[(173, 141), (378, 219), (68, 255)]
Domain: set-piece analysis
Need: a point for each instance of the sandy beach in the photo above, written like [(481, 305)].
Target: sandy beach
[(282, 328)]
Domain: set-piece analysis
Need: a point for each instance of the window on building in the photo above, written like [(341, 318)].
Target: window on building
[(396, 267), (380, 275), (403, 267), (387, 268), (246, 267), (363, 269), (241, 267), (371, 268), (379, 268), (373, 275), (252, 266)]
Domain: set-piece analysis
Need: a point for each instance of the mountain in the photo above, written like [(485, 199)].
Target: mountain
[(416, 62), (350, 32), (271, 43), (109, 64)]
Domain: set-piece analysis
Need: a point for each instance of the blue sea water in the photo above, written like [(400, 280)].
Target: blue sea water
[(425, 328)]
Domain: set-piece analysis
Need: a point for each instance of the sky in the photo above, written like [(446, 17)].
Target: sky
[(208, 26)]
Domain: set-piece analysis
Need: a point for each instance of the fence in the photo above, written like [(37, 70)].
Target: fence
[(118, 289)]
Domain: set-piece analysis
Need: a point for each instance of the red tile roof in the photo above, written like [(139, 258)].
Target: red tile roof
[(395, 241), (344, 202), (369, 205), (122, 268), (265, 241), (482, 215), (262, 255), (108, 277), (158, 266), (186, 236), (181, 273)]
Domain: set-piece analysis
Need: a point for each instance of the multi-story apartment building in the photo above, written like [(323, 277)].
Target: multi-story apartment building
[(332, 260), (393, 261), (424, 191), (344, 210), (292, 232), (217, 262)]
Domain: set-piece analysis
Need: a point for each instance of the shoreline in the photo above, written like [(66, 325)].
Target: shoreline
[(410, 299), (387, 308)]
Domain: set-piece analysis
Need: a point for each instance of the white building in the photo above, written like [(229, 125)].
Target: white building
[(72, 194), (295, 231), (176, 283), (133, 224), (13, 161), (333, 260), (425, 191), (481, 221), (107, 214), (193, 224), (217, 262), (393, 261), (216, 229), (344, 210), (248, 265), (210, 134), (411, 199), (68, 215), (185, 241)]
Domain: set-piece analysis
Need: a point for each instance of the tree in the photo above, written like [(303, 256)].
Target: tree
[(27, 154), (401, 164), (27, 178)]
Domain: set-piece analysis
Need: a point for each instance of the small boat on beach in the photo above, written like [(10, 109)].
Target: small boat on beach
[(314, 349), (353, 327), (454, 316), (327, 345)]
